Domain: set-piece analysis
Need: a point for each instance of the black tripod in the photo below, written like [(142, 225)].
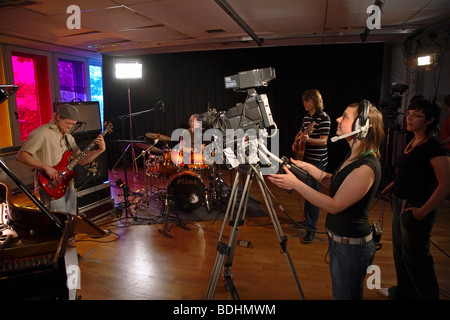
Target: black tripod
[(226, 251)]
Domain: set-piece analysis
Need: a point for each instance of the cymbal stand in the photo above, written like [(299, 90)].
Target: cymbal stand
[(145, 194), (225, 252)]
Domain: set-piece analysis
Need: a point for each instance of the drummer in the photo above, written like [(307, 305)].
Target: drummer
[(191, 140)]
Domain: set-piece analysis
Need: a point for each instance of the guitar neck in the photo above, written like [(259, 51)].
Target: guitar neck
[(77, 159)]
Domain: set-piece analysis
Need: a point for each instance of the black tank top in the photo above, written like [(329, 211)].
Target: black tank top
[(353, 222)]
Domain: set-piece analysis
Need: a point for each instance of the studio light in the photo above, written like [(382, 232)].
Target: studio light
[(427, 60), (128, 70)]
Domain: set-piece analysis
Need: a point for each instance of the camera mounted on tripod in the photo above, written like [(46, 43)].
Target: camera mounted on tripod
[(253, 113)]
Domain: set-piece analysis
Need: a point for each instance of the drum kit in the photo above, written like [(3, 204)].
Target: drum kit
[(172, 181)]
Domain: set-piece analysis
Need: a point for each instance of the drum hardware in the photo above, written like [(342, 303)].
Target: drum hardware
[(217, 197), (148, 147), (125, 204), (167, 204), (145, 194)]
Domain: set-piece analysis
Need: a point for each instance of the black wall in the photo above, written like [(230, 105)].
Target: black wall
[(188, 82)]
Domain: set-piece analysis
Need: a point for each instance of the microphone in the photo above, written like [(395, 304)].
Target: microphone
[(81, 122), (336, 138), (163, 106), (364, 128)]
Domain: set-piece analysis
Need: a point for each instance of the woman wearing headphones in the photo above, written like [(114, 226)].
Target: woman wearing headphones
[(352, 186)]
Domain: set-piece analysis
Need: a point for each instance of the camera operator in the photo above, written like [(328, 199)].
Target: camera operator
[(352, 186)]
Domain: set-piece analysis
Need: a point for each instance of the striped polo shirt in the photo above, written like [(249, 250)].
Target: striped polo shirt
[(321, 128)]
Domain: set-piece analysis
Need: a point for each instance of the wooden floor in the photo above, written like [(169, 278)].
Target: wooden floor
[(137, 262)]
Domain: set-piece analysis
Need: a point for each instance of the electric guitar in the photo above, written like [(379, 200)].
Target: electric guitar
[(300, 144), (57, 188)]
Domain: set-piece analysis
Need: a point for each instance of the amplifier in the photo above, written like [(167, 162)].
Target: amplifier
[(93, 194), (98, 210)]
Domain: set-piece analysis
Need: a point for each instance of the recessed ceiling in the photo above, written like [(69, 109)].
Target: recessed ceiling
[(158, 26)]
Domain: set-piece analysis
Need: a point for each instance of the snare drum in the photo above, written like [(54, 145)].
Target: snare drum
[(197, 162), (187, 190)]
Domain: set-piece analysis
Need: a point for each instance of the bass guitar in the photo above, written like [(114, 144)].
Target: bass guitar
[(57, 188), (300, 144)]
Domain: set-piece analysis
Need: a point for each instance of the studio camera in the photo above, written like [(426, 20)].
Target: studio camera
[(253, 113), (391, 103)]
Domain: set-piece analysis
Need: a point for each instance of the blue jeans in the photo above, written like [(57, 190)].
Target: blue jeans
[(348, 268), (68, 203), (311, 211)]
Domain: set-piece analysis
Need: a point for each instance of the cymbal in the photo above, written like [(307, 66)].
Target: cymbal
[(158, 136), (149, 148)]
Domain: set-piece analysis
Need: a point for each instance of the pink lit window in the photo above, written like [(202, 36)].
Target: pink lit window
[(34, 104), (26, 96)]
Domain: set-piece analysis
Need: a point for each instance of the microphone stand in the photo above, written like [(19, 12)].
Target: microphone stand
[(130, 115)]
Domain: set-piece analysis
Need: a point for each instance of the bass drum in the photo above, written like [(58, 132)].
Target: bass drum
[(187, 190)]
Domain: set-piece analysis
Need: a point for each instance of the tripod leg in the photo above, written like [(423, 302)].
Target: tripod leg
[(222, 249), (239, 221), (277, 226), (225, 251)]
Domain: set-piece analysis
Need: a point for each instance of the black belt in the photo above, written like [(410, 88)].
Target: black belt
[(346, 240)]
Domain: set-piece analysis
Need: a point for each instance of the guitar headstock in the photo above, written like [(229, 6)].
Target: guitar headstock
[(108, 126)]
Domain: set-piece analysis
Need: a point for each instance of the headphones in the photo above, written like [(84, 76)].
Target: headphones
[(362, 120), (361, 124)]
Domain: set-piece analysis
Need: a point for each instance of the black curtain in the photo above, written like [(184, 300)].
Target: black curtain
[(190, 82)]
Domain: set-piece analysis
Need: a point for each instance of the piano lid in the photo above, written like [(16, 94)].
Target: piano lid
[(6, 91)]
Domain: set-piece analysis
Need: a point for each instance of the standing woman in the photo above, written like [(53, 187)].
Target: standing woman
[(352, 186), (421, 184)]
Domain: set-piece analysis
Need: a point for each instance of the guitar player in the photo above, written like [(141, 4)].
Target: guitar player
[(44, 149), (310, 145)]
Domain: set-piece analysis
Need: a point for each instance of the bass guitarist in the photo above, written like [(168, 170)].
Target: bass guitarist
[(310, 145), (44, 149)]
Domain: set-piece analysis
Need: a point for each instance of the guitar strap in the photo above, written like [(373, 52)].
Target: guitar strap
[(67, 143), (314, 117)]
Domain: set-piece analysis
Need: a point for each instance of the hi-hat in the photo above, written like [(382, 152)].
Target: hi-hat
[(158, 136)]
